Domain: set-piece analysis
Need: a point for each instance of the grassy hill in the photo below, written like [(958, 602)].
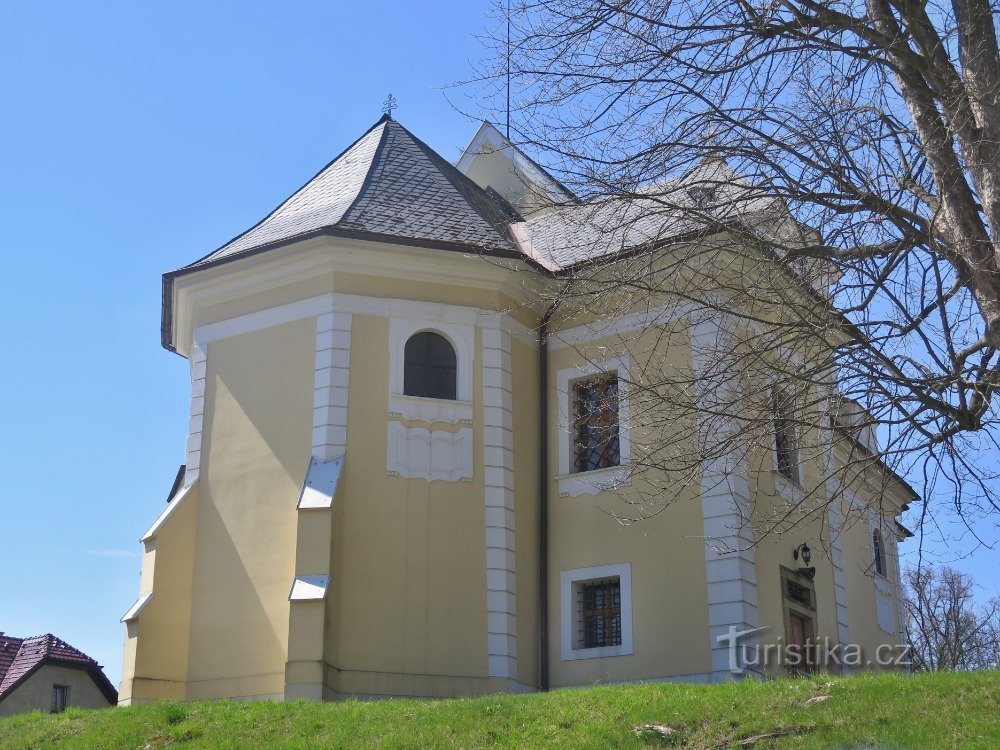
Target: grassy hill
[(926, 711)]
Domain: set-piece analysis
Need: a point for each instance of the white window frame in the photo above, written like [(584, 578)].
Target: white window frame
[(578, 483), (567, 581), (463, 339)]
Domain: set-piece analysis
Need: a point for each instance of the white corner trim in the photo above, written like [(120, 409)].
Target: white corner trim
[(309, 588), (136, 609), (330, 388), (572, 483), (419, 453), (320, 486), (836, 521), (730, 560), (196, 418), (172, 506), (567, 615), (498, 456), (461, 337)]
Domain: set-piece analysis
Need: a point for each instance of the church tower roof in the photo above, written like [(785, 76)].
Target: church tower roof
[(389, 186)]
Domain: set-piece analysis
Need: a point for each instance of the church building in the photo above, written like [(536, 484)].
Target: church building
[(403, 465)]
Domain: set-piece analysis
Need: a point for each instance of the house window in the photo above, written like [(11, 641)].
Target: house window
[(785, 453), (878, 552), (595, 423), (430, 367), (60, 698), (600, 613), (596, 616)]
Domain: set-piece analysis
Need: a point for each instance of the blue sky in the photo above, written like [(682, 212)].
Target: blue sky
[(134, 138)]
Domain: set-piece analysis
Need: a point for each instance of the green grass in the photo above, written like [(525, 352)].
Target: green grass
[(871, 711)]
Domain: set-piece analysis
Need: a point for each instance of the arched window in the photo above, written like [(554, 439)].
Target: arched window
[(878, 550), (429, 366)]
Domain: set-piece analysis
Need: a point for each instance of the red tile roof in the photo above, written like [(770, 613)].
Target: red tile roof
[(19, 657)]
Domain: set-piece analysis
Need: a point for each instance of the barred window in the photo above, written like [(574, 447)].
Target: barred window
[(430, 366), (600, 613), (785, 456), (798, 593), (595, 422), (878, 551), (60, 698)]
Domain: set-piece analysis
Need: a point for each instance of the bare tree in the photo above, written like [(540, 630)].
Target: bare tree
[(828, 173), (945, 627)]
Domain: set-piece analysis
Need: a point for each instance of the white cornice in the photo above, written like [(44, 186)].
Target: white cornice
[(252, 275), (362, 305)]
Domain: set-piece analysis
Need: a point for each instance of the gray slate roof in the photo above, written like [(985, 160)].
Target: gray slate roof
[(586, 231), (390, 186), (387, 182)]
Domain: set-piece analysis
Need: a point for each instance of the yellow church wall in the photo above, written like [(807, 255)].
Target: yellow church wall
[(156, 653), (786, 514), (256, 448), (402, 548), (860, 582), (666, 552), (406, 609)]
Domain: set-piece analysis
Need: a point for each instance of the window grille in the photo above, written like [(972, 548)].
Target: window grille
[(600, 608), (784, 437), (798, 593), (430, 367), (595, 418)]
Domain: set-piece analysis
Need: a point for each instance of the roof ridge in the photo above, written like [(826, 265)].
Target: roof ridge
[(370, 174), (462, 182), (382, 120)]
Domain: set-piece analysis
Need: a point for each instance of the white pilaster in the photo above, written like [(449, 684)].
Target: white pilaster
[(498, 449), (333, 359), (730, 562), (199, 366)]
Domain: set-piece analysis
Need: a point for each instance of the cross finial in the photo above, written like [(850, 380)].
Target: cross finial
[(388, 105)]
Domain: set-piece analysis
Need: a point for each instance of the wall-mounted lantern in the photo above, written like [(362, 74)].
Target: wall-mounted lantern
[(805, 553)]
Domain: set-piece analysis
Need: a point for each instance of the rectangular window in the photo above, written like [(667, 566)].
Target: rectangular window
[(785, 454), (878, 551), (595, 613), (798, 593), (595, 423), (600, 613), (60, 698)]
